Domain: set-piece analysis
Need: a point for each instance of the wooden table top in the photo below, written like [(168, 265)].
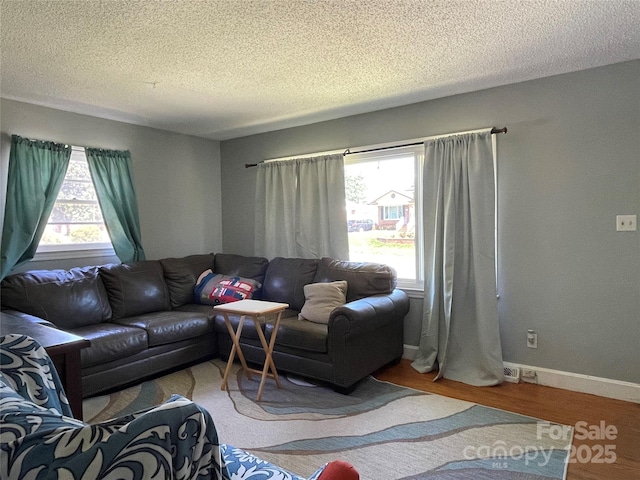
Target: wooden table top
[(251, 307)]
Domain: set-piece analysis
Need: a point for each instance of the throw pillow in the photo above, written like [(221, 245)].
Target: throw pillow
[(215, 288), (321, 299)]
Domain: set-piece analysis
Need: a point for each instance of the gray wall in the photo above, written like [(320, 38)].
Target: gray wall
[(177, 177), (568, 165)]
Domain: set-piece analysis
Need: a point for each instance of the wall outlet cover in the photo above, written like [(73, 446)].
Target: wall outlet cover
[(626, 223)]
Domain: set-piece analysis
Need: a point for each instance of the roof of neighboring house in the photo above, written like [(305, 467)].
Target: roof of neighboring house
[(392, 197)]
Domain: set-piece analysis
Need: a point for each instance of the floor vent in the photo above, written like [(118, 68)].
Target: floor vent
[(512, 374)]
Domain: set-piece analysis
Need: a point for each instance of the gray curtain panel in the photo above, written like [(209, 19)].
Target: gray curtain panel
[(460, 330), (300, 208)]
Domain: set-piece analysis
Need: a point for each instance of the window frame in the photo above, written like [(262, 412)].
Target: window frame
[(64, 251), (386, 211), (386, 154)]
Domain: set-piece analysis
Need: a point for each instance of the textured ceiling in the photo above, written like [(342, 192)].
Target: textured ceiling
[(223, 69)]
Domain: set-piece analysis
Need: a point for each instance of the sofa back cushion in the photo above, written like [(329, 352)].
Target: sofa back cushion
[(135, 288), (181, 275), (286, 278), (363, 278), (241, 266), (68, 298)]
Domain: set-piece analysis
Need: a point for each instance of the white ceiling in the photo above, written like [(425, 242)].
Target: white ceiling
[(222, 69)]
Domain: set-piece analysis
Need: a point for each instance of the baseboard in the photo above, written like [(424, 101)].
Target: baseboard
[(410, 352), (603, 387), (577, 382)]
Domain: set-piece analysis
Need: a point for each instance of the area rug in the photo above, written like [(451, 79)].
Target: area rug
[(386, 431)]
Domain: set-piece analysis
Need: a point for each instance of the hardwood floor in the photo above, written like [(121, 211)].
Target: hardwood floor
[(556, 405)]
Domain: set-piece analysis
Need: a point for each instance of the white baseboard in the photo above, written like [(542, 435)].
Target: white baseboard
[(577, 382), (410, 352)]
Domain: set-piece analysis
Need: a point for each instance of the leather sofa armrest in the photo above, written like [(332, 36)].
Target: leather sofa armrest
[(367, 314), (15, 316)]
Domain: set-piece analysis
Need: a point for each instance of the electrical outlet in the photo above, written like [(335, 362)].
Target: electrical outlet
[(532, 339), (529, 376), (626, 223)]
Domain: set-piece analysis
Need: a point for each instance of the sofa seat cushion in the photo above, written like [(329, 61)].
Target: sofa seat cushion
[(171, 326), (110, 341), (248, 329), (292, 333), (197, 308), (300, 334)]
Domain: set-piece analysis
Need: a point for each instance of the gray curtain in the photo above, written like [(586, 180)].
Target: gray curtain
[(112, 176), (460, 330), (300, 208), (36, 173)]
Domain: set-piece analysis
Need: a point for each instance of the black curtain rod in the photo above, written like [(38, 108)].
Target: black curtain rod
[(494, 130)]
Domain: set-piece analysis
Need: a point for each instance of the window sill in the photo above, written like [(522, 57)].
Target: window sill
[(415, 289), (68, 253)]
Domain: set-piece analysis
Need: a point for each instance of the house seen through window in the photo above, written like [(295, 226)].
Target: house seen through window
[(76, 221), (381, 198)]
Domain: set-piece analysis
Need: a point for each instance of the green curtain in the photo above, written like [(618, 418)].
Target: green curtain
[(36, 172), (111, 172)]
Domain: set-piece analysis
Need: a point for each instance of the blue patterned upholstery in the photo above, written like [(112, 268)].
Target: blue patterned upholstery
[(40, 439)]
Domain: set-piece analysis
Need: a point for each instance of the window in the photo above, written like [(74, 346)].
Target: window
[(382, 189), (75, 224), (392, 212)]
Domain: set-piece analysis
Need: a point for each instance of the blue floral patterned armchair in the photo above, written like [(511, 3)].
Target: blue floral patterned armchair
[(39, 439)]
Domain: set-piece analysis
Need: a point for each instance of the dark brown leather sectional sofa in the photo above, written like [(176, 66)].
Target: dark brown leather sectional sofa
[(141, 320)]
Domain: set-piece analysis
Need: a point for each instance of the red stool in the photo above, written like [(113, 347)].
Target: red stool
[(339, 470)]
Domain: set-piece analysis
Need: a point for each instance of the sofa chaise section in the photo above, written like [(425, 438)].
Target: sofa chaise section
[(124, 311)]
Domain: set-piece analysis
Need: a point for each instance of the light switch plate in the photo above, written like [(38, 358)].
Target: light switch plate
[(626, 223)]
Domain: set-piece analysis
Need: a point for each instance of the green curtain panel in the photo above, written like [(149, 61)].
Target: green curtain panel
[(111, 172), (460, 330), (36, 172)]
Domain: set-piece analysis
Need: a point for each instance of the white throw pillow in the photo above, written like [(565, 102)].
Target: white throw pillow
[(321, 299)]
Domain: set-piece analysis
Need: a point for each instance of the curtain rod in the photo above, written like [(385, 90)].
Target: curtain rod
[(494, 130), (292, 157)]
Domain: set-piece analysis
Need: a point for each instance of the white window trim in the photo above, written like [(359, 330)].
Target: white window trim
[(67, 251), (408, 285)]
